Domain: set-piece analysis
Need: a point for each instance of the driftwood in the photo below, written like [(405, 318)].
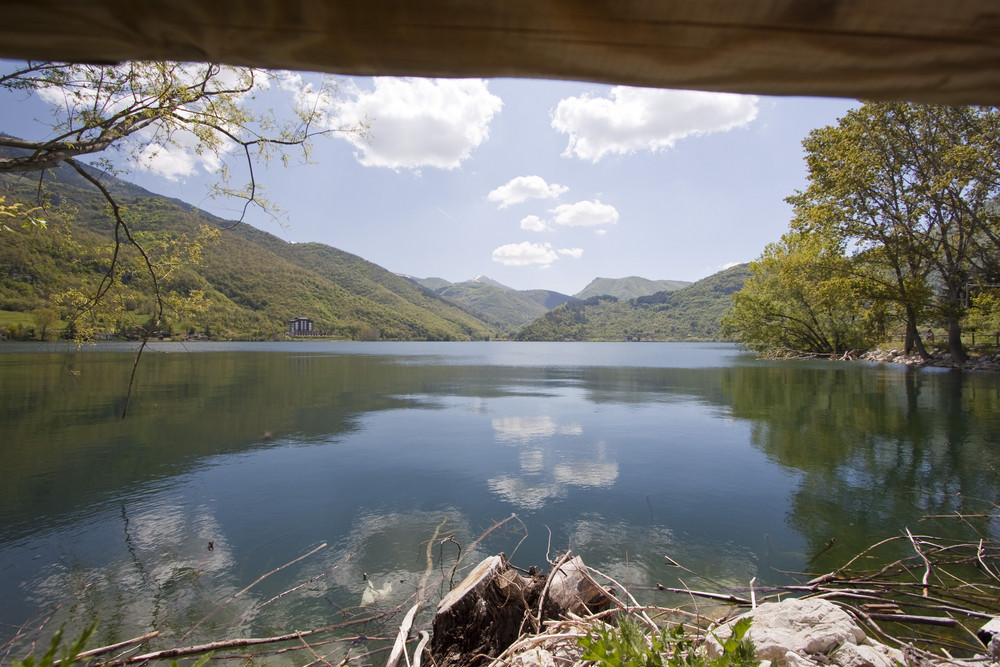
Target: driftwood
[(489, 609)]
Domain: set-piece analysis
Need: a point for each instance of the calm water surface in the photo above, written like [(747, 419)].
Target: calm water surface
[(625, 453)]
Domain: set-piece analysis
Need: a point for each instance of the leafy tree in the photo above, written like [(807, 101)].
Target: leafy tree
[(802, 296), (139, 111), (984, 313), (45, 318), (911, 188)]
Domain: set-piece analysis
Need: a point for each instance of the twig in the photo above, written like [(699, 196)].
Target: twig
[(404, 631), (518, 545), (635, 603), (712, 596), (548, 582), (943, 621), (927, 563), (108, 649), (479, 539), (418, 652), (979, 557), (310, 649), (234, 643), (244, 590)]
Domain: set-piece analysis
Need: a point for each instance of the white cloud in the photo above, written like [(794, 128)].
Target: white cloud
[(420, 122), (585, 214), (178, 159), (575, 253), (533, 223), (634, 119), (523, 188), (525, 254)]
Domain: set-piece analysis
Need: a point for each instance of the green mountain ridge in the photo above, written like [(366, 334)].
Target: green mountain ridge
[(690, 313), (255, 281), (628, 288), (503, 307)]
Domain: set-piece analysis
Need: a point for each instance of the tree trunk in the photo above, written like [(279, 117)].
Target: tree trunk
[(913, 336), (955, 341)]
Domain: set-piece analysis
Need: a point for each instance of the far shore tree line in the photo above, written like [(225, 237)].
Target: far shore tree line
[(897, 232)]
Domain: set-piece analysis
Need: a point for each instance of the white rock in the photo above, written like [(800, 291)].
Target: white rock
[(850, 655), (799, 633)]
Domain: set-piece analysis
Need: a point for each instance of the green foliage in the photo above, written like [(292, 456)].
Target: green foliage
[(691, 313), (54, 655), (68, 655), (507, 309), (628, 288), (804, 295), (239, 284), (628, 646), (912, 190)]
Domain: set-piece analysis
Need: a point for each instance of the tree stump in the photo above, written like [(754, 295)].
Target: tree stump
[(488, 611)]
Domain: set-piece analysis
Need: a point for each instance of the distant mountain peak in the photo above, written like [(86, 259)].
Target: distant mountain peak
[(486, 280)]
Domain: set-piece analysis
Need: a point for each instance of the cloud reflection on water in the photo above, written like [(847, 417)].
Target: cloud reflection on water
[(547, 468)]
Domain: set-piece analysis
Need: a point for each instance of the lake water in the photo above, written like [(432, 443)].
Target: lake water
[(625, 453)]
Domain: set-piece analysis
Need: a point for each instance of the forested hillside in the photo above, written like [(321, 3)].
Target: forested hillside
[(691, 313), (239, 283), (505, 308), (628, 288)]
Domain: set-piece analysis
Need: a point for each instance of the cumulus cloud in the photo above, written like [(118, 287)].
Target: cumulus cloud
[(419, 122), (525, 254), (585, 214), (575, 253), (533, 223), (177, 160), (523, 188), (635, 119)]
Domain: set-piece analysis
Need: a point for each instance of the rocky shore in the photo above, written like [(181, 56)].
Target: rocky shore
[(988, 362)]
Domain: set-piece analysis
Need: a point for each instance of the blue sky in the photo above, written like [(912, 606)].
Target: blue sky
[(538, 184)]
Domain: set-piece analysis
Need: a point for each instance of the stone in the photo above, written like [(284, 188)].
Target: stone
[(808, 632), (860, 655), (989, 631)]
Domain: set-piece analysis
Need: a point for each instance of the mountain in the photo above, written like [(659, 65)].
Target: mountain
[(503, 307), (254, 281), (690, 313), (432, 284), (486, 280), (628, 288)]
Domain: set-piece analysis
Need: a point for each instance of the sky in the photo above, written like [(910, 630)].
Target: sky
[(537, 184)]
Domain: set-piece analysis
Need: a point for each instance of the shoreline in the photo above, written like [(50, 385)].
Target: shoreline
[(986, 362)]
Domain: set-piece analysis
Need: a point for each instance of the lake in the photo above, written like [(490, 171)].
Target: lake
[(632, 455)]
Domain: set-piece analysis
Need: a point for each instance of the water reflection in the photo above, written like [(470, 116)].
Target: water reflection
[(628, 454), (552, 458)]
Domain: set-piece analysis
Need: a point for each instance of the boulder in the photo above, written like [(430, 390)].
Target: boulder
[(808, 632)]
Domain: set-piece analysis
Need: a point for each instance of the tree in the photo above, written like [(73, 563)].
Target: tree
[(135, 112), (802, 296), (984, 313), (911, 189), (45, 318)]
